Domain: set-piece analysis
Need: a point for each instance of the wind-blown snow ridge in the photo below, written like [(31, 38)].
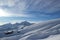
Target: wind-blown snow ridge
[(40, 31)]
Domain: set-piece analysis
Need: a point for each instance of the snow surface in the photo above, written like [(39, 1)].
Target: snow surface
[(53, 37), (48, 30)]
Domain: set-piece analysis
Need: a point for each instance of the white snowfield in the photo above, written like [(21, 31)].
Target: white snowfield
[(53, 37), (48, 30)]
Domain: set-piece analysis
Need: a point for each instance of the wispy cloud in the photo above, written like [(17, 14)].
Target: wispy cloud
[(14, 8), (9, 14), (47, 6), (7, 2), (30, 9)]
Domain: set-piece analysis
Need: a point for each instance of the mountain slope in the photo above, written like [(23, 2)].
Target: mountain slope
[(53, 37), (40, 31), (25, 23), (10, 26)]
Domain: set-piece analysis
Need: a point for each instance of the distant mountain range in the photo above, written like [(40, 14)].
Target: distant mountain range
[(10, 26), (24, 23)]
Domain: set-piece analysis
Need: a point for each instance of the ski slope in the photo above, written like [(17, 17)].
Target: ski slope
[(48, 30)]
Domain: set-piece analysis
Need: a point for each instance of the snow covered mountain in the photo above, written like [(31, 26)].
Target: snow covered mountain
[(24, 23), (41, 31), (10, 26)]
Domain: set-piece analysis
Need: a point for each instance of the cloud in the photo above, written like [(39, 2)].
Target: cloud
[(5, 13), (19, 15), (14, 8), (17, 7), (7, 2), (13, 3), (47, 6)]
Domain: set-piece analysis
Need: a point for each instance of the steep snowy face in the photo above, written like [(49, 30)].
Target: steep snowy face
[(42, 26), (41, 31)]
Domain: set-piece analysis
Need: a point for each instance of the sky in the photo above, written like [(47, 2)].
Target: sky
[(28, 10)]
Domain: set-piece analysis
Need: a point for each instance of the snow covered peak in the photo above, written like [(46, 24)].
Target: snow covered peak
[(25, 23)]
